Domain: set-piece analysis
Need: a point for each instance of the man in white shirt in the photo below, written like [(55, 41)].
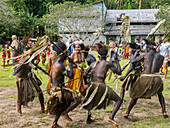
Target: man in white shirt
[(142, 46), (14, 47), (165, 51)]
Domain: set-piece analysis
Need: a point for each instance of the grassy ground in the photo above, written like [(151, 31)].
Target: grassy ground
[(146, 112)]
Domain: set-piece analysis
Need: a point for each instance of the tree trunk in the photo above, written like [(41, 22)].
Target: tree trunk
[(140, 4), (25, 39)]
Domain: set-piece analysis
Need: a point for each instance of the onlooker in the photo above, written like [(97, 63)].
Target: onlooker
[(111, 41), (14, 47), (127, 51), (48, 51), (165, 51), (29, 45), (120, 45), (43, 55), (69, 45), (98, 46), (142, 46), (102, 43), (3, 55), (123, 49), (8, 52), (113, 51)]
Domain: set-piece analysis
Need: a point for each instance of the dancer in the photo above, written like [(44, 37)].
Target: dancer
[(89, 57), (28, 86), (98, 92), (132, 74), (150, 82), (62, 99)]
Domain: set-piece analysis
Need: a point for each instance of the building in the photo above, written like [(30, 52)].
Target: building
[(83, 25), (141, 23)]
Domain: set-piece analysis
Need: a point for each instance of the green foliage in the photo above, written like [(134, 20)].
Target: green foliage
[(163, 13), (8, 19), (72, 16), (21, 17)]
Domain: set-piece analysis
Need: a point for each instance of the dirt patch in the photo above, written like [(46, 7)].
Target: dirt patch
[(34, 119)]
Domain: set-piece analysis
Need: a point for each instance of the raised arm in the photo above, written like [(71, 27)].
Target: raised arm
[(115, 68), (127, 73), (138, 58)]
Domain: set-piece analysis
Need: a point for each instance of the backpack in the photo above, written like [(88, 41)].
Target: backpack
[(20, 48)]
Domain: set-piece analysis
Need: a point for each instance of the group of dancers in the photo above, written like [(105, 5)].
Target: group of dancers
[(87, 87)]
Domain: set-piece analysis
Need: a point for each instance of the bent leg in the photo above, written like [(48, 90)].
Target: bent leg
[(89, 120), (122, 94), (113, 96), (162, 102), (131, 105), (70, 108), (54, 124)]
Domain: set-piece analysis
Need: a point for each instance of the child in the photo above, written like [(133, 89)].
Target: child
[(8, 52), (3, 54), (43, 55)]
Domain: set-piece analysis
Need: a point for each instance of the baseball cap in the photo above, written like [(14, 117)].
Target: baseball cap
[(110, 38), (138, 37)]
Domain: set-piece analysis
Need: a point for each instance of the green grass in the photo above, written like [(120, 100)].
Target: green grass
[(152, 122), (7, 79), (155, 121), (12, 96)]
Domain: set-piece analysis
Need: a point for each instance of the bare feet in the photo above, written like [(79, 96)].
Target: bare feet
[(164, 78), (113, 122), (65, 116), (165, 115), (26, 106), (18, 109), (54, 125), (89, 121), (42, 110), (126, 115)]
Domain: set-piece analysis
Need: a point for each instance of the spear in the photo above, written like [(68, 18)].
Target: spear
[(153, 30)]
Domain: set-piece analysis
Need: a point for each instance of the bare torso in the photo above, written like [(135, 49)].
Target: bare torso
[(152, 62), (100, 70), (58, 69)]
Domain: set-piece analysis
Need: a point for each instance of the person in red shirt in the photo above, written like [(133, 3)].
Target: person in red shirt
[(8, 52), (3, 54)]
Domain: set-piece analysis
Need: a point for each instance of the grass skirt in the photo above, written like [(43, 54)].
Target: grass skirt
[(146, 86)]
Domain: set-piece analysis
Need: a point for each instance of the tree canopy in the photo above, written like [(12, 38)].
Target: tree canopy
[(27, 17), (163, 13), (73, 18)]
